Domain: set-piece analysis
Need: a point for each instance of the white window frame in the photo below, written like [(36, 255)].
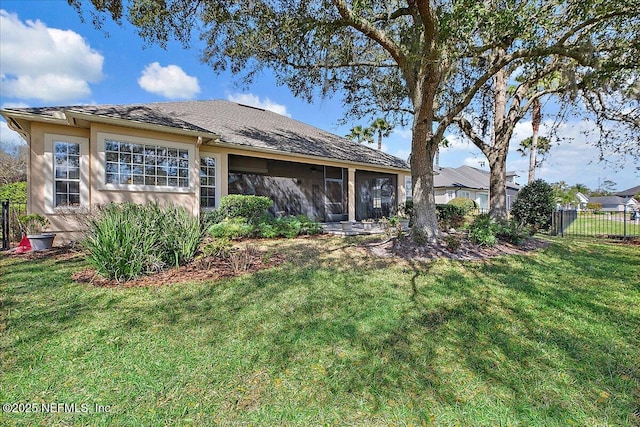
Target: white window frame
[(49, 168), (465, 193), (102, 162), (218, 176)]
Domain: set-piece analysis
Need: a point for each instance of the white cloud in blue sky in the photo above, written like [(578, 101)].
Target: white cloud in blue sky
[(170, 82), (46, 64), (255, 101)]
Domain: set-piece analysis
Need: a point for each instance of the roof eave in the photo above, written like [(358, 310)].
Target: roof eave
[(307, 156), (77, 115)]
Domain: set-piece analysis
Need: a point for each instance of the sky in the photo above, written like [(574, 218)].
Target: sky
[(49, 57)]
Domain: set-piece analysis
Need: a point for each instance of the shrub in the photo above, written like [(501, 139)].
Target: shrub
[(594, 206), (462, 202), (33, 223), (287, 226), (219, 248), (450, 216), (453, 243), (15, 192), (232, 228), (511, 231), (483, 231), (534, 205), (126, 240), (242, 206)]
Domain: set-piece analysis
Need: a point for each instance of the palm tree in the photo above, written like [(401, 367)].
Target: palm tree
[(532, 147), (536, 118), (360, 134), (383, 128)]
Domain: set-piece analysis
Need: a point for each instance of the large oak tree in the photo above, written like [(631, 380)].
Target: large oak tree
[(419, 61)]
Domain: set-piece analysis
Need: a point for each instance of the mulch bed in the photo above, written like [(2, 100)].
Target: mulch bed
[(202, 269)]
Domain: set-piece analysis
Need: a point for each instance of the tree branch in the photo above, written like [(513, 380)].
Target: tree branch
[(370, 31), (467, 128)]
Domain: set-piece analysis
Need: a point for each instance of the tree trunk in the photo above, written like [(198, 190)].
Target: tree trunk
[(379, 141), (423, 149), (536, 118), (497, 153), (497, 185)]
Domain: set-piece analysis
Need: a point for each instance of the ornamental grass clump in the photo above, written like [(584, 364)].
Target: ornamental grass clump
[(126, 240)]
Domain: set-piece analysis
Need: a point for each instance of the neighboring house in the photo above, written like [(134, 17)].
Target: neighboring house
[(629, 192), (472, 183), (194, 152), (582, 201), (615, 203)]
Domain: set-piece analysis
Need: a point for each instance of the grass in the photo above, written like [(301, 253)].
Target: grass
[(593, 225), (334, 337)]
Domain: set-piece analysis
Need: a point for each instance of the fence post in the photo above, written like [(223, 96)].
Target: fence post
[(625, 220), (5, 225)]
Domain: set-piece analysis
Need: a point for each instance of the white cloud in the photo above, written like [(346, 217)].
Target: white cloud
[(254, 101), (575, 159), (170, 81), (48, 64)]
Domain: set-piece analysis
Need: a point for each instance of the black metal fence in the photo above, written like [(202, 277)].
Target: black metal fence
[(11, 232), (619, 224)]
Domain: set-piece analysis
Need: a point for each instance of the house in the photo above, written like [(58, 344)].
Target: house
[(472, 183), (191, 154), (616, 203), (629, 193)]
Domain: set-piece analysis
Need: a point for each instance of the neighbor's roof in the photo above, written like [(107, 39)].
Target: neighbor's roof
[(611, 200), (466, 177), (236, 125), (629, 192)]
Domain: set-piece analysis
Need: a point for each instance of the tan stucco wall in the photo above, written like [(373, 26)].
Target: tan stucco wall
[(67, 225)]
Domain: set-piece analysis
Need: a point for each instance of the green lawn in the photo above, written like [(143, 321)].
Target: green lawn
[(593, 225), (333, 337)]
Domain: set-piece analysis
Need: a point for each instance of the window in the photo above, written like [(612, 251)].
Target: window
[(207, 182), (466, 194), (408, 190), (145, 164), (66, 170)]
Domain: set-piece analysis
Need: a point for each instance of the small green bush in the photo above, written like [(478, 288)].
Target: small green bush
[(450, 216), (219, 248), (241, 206), (512, 232), (127, 240), (483, 230), (288, 226), (232, 228), (453, 243), (534, 205), (462, 202)]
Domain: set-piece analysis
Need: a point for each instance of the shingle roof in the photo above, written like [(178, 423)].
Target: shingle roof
[(466, 177), (238, 125), (629, 192), (609, 200)]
